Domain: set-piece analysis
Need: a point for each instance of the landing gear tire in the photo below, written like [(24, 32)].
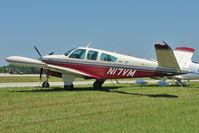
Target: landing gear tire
[(45, 84), (69, 87), (97, 85)]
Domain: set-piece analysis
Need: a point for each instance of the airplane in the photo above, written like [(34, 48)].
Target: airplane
[(180, 54), (192, 75), (91, 63)]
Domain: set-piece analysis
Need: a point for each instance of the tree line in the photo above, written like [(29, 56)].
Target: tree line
[(19, 70)]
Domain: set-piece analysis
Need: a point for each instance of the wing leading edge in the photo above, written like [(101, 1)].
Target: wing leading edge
[(24, 61)]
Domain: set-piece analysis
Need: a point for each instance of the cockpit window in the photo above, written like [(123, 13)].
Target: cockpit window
[(92, 55), (78, 54), (107, 57), (69, 51)]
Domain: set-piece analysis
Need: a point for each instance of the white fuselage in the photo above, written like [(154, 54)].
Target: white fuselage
[(193, 72)]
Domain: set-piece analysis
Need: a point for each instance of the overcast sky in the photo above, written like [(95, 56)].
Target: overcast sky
[(128, 26)]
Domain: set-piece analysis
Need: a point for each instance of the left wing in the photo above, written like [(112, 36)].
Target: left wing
[(24, 61)]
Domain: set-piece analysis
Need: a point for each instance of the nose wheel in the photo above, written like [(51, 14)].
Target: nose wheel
[(45, 84)]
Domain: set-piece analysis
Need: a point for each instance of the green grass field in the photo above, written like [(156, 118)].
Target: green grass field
[(37, 79), (29, 79), (121, 108)]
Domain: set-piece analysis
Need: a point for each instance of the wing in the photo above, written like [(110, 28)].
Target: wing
[(70, 71), (24, 61)]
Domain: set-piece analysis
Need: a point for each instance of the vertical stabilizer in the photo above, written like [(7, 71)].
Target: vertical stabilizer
[(184, 56), (166, 57)]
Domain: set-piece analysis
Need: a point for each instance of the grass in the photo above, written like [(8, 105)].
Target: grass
[(18, 79), (31, 79), (121, 108)]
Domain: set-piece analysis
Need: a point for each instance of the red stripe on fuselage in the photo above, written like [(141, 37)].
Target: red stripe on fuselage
[(108, 72)]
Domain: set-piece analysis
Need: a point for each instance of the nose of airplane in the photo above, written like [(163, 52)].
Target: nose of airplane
[(52, 57), (47, 58)]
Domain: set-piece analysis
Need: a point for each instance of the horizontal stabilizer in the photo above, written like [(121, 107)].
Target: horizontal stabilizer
[(166, 57)]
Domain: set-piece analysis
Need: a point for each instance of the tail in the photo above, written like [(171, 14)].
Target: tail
[(184, 57), (177, 60), (166, 58)]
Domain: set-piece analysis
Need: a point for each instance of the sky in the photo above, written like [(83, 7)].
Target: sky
[(124, 26)]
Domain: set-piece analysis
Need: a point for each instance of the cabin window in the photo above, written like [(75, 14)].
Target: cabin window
[(107, 57), (92, 55), (78, 54)]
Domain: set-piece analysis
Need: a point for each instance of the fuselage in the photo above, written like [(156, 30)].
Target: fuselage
[(193, 72), (107, 65)]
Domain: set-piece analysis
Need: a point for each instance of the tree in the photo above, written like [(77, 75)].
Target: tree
[(19, 69)]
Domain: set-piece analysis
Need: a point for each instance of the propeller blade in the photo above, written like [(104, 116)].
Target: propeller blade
[(41, 72), (51, 53), (37, 51)]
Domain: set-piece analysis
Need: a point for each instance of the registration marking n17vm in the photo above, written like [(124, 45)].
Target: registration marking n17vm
[(121, 71)]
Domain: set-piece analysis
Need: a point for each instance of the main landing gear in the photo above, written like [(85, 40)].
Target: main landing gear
[(98, 83), (69, 86), (68, 81)]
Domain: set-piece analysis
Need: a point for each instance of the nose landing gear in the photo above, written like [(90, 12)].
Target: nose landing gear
[(45, 84)]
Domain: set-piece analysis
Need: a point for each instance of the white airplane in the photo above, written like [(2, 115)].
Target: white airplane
[(182, 54), (101, 65), (193, 74)]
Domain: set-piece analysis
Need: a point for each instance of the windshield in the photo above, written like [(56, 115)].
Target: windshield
[(78, 54), (69, 51)]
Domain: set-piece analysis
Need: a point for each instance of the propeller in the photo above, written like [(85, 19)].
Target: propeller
[(41, 69), (37, 51)]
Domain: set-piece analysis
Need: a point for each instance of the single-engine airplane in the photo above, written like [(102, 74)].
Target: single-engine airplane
[(88, 63)]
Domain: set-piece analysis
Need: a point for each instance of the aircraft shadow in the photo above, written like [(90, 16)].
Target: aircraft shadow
[(110, 89), (54, 89), (149, 95)]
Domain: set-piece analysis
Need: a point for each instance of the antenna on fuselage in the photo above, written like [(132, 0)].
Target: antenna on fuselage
[(89, 44)]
